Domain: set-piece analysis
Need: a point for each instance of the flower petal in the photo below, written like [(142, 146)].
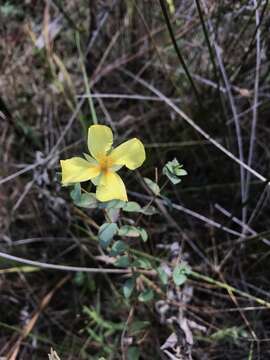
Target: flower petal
[(131, 154), (100, 139), (90, 159), (77, 169), (111, 187)]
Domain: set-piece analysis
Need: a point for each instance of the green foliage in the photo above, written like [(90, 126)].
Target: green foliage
[(146, 296), (128, 206), (230, 334), (153, 186), (174, 171), (131, 206), (143, 234), (142, 263), (89, 201), (162, 275), (85, 200), (100, 330), (180, 273), (148, 210), (128, 287), (133, 231), (122, 261), (76, 193), (106, 233), (118, 248), (108, 236), (129, 231)]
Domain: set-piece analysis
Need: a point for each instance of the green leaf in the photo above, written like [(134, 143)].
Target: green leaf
[(146, 296), (143, 234), (133, 353), (152, 186), (118, 248), (142, 263), (162, 275), (180, 273), (179, 278), (128, 287), (85, 200), (173, 170), (122, 261), (133, 231), (132, 206), (129, 230), (76, 193), (127, 206), (106, 233), (173, 178)]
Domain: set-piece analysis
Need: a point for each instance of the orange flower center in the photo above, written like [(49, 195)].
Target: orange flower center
[(105, 163)]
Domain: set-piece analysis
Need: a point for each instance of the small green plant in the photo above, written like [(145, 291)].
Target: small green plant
[(121, 235), (120, 232), (174, 171)]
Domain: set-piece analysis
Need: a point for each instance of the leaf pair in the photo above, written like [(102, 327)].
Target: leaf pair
[(174, 171)]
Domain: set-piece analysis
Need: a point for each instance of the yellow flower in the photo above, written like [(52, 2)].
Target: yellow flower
[(102, 166)]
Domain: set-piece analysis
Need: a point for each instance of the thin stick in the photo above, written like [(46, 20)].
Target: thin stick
[(63, 267), (255, 102), (123, 96)]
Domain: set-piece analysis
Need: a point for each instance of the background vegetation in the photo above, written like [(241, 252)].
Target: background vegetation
[(191, 80)]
